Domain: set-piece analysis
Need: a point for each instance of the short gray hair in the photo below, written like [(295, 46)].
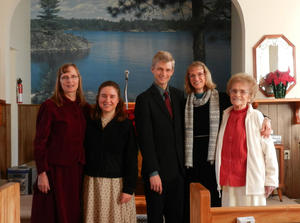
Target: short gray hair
[(244, 78)]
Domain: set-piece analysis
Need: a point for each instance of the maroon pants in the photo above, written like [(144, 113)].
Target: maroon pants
[(62, 204)]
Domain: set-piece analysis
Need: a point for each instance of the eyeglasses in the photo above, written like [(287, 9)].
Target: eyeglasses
[(66, 78), (236, 91)]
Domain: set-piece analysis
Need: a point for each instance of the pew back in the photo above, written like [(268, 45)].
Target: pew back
[(10, 203), (201, 212)]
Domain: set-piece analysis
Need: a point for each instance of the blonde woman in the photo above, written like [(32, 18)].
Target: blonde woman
[(203, 109)]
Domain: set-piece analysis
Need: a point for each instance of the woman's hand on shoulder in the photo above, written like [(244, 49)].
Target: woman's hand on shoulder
[(124, 198), (266, 129), (43, 182)]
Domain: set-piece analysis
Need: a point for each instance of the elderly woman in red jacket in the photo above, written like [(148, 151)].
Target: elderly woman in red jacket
[(58, 151)]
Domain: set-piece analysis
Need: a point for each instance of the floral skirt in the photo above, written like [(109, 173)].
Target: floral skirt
[(101, 201)]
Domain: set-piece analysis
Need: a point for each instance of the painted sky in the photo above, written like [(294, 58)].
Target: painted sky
[(97, 9)]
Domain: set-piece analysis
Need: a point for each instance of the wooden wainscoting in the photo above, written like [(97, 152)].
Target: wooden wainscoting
[(27, 115), (282, 116), (5, 135)]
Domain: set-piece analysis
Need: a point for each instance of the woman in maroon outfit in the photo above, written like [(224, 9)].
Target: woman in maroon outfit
[(58, 151)]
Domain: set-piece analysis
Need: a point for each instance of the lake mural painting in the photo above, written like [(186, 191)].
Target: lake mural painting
[(114, 45)]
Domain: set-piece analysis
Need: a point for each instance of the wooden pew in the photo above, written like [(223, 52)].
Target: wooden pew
[(201, 212), (10, 203)]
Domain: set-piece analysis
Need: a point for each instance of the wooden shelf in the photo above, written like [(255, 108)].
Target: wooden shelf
[(294, 101), (276, 100)]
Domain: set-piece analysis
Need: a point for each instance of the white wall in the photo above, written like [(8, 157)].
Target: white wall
[(263, 17), (237, 40), (20, 42), (14, 59), (14, 34), (20, 65), (6, 11)]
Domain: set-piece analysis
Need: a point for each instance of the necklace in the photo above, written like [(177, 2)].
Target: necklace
[(106, 120)]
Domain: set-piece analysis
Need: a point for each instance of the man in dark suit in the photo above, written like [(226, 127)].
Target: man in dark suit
[(159, 124)]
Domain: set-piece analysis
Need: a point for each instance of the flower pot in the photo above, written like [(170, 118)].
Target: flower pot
[(279, 90)]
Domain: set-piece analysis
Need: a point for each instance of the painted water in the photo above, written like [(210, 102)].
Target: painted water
[(112, 53)]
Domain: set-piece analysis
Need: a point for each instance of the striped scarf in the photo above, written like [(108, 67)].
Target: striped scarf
[(214, 118)]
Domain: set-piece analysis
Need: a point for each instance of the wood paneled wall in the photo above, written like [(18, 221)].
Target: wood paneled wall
[(282, 116), (27, 116), (5, 135)]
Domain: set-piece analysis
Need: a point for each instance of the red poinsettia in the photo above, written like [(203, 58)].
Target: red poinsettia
[(278, 77)]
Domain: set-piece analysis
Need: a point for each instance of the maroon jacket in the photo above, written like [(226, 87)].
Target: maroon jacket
[(59, 135)]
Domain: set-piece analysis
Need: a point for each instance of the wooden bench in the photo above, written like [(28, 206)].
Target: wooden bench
[(10, 203), (201, 212)]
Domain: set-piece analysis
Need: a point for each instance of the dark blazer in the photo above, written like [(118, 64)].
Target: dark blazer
[(160, 138), (112, 152)]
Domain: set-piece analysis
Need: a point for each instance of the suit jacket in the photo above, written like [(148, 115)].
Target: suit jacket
[(160, 137)]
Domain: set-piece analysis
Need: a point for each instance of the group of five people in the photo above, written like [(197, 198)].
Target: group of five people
[(86, 156)]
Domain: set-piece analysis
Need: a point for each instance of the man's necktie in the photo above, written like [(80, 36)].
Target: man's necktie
[(168, 103)]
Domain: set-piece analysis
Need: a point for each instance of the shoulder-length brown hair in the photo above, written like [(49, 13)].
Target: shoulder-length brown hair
[(96, 111), (209, 82), (58, 94)]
